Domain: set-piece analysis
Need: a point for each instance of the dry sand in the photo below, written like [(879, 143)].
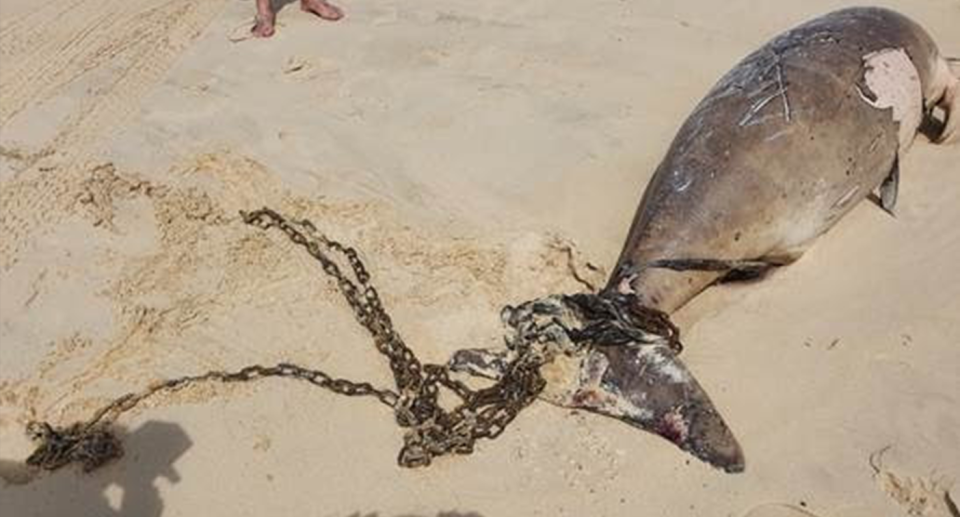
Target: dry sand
[(466, 148)]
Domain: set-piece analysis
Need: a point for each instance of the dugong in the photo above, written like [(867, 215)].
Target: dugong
[(785, 144), (781, 148)]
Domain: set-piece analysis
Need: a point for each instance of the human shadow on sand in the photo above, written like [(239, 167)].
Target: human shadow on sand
[(441, 514), (150, 452)]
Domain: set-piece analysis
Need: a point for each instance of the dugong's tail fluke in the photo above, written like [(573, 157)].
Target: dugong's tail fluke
[(596, 356), (650, 387)]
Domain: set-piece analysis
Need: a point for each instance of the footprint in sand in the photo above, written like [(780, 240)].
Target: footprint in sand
[(778, 510)]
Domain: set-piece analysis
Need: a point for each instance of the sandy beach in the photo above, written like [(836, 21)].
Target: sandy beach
[(476, 155)]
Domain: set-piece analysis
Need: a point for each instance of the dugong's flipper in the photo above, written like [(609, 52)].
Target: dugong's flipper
[(639, 380), (890, 187)]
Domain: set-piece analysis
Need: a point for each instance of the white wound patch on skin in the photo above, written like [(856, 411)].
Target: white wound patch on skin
[(653, 357), (625, 407), (895, 82)]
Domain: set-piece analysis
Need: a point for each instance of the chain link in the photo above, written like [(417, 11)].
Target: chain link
[(433, 431)]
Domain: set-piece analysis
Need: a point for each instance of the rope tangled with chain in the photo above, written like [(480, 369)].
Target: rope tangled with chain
[(432, 430)]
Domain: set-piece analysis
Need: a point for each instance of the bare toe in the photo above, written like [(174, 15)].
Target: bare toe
[(322, 9), (262, 28)]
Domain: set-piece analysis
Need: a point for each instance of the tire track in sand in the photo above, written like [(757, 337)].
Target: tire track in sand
[(45, 51), (122, 48)]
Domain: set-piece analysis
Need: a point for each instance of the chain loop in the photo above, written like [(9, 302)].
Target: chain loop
[(433, 430)]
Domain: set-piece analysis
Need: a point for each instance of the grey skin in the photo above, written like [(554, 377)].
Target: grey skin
[(782, 147), (778, 151)]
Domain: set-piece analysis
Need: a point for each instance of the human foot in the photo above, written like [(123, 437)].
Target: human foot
[(322, 9), (266, 19)]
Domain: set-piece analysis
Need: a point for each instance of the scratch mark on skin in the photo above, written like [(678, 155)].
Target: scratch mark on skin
[(760, 120), (778, 134), (787, 113), (783, 91), (756, 107), (763, 75), (681, 181), (844, 199)]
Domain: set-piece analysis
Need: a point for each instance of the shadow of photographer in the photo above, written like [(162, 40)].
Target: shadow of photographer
[(150, 452)]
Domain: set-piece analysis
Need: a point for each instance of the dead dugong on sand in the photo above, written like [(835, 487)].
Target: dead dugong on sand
[(783, 146)]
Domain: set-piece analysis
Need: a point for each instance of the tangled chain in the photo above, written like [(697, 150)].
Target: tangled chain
[(432, 430)]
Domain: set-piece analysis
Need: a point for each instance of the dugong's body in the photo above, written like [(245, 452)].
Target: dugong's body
[(778, 151), (783, 146)]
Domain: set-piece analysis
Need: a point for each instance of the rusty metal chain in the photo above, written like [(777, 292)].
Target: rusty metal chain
[(92, 444), (613, 319), (483, 413), (433, 430)]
